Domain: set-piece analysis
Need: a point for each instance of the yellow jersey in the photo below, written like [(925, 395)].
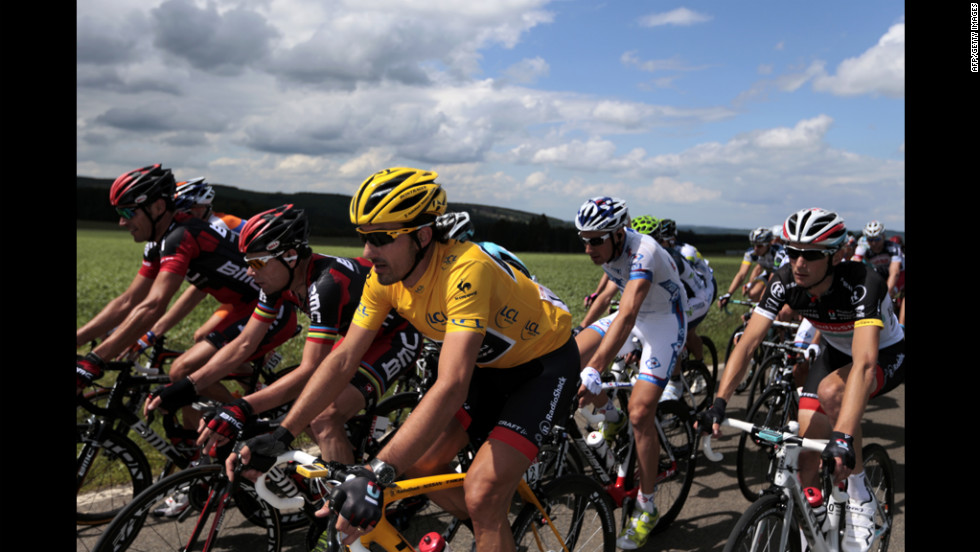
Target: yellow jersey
[(465, 289)]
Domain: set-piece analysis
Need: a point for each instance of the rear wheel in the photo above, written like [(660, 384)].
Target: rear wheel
[(581, 512)]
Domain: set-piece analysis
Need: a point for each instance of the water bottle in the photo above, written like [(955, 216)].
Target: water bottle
[(815, 499), (433, 542), (596, 441)]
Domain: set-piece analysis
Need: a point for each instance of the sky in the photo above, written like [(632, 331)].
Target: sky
[(719, 113)]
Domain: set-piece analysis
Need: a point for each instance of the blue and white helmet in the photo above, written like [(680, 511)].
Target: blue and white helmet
[(602, 213), (193, 192)]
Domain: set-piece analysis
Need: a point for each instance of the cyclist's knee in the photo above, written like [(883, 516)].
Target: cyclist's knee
[(642, 414), (831, 394)]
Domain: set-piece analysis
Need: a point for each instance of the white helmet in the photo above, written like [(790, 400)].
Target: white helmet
[(815, 226), (602, 213), (874, 229)]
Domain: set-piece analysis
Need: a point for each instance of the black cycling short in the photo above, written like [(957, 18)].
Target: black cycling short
[(519, 405), (889, 372), (392, 354)]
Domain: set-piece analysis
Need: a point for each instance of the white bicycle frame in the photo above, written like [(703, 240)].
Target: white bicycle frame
[(787, 454)]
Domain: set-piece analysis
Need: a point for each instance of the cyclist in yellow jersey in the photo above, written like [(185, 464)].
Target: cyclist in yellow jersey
[(507, 368)]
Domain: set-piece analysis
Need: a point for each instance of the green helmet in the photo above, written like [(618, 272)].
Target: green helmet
[(646, 224)]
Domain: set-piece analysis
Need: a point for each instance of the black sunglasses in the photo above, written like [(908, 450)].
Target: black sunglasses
[(808, 254), (380, 238)]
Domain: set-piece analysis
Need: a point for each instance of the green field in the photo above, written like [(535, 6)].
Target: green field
[(107, 260)]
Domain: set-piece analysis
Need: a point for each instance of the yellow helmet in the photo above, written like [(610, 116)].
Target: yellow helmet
[(398, 194)]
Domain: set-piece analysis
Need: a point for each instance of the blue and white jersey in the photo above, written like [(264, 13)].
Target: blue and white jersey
[(643, 258)]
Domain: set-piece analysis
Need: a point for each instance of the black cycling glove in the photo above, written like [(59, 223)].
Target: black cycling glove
[(840, 445), (175, 395), (267, 447), (358, 499), (713, 415)]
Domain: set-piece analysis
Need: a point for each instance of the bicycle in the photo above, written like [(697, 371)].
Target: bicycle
[(569, 513), (111, 468), (775, 407), (778, 519), (566, 450), (223, 515)]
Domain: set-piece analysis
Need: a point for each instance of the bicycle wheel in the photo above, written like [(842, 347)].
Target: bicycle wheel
[(878, 475), (394, 410), (766, 374), (699, 382), (580, 510), (109, 473), (755, 463), (763, 526), (678, 453), (248, 522), (711, 360)]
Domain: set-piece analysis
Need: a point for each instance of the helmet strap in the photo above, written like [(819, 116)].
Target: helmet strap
[(419, 255)]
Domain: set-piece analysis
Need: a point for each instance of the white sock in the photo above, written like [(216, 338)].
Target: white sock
[(856, 489), (645, 502)]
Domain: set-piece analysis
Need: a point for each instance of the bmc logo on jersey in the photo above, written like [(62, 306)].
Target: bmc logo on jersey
[(235, 271), (506, 317)]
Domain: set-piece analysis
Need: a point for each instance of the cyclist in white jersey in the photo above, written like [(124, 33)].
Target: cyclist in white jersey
[(653, 303)]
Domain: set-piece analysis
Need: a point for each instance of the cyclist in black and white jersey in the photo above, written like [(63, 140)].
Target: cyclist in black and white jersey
[(767, 257), (884, 255), (864, 355)]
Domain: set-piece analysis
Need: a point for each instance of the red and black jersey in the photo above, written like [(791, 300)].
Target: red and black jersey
[(206, 256), (334, 286)]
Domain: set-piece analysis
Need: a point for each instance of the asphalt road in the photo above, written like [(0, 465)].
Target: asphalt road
[(715, 502)]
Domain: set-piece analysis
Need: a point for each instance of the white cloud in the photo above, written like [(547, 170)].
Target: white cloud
[(879, 70), (527, 70), (680, 16)]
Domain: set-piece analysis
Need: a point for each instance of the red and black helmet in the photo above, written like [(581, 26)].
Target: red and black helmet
[(143, 186), (279, 229)]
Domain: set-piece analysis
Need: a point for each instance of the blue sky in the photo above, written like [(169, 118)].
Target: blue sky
[(720, 113)]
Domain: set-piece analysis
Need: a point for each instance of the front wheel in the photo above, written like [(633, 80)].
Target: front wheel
[(879, 478), (755, 463), (580, 510), (178, 512), (110, 471), (763, 528)]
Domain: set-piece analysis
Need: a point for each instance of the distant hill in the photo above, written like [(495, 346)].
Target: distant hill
[(515, 229)]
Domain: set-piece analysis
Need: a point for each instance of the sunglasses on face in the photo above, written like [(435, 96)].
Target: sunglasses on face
[(878, 239), (596, 241), (126, 212), (378, 238), (808, 254), (256, 263)]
